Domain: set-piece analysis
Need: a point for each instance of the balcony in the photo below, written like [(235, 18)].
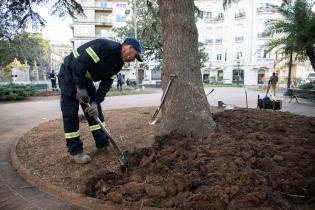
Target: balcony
[(218, 41), (240, 15), (262, 36), (214, 20), (266, 9), (239, 39), (209, 41), (104, 22)]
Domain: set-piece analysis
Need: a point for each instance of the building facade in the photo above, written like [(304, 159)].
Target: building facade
[(234, 43), (234, 40), (101, 16)]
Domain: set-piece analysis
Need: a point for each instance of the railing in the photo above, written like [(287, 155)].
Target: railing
[(262, 36), (240, 15), (214, 20), (265, 10), (105, 21)]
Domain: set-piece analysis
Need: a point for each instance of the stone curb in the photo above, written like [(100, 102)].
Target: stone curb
[(58, 192)]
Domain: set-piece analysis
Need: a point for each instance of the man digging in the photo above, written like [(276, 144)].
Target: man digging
[(97, 60)]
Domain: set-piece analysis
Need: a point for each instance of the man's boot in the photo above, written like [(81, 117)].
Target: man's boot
[(82, 158)]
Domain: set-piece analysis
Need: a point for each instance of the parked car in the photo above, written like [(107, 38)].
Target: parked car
[(311, 77), (131, 82)]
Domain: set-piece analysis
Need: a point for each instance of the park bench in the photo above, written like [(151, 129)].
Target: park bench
[(301, 93), (42, 86)]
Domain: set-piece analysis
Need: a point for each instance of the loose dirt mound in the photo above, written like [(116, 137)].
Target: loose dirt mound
[(256, 160)]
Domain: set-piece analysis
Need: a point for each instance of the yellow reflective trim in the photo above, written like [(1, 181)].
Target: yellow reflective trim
[(75, 53), (93, 55), (88, 75), (72, 135), (113, 77), (95, 127)]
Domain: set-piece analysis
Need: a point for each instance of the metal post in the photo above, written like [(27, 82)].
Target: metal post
[(134, 2)]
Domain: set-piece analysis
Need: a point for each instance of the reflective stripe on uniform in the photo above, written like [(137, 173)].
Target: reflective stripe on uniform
[(72, 135), (93, 55), (96, 127), (88, 75), (75, 53)]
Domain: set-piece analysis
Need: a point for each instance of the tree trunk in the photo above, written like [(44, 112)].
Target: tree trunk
[(186, 110), (311, 55)]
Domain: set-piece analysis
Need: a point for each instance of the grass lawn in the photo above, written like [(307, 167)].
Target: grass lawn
[(128, 91), (221, 85)]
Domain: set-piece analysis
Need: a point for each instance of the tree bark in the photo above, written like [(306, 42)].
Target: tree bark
[(311, 55), (186, 110)]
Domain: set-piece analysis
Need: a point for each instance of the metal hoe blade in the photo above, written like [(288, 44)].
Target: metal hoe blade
[(154, 118)]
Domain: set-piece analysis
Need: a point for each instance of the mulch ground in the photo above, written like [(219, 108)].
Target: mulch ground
[(257, 159)]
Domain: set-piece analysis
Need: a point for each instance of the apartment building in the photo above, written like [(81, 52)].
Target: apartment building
[(234, 41), (101, 16)]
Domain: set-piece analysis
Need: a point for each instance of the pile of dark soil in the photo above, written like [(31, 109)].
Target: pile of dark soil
[(256, 160)]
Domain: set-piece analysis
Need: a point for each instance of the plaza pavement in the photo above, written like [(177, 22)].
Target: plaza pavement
[(16, 118)]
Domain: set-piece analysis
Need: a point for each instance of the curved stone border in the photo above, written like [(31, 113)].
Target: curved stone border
[(58, 192)]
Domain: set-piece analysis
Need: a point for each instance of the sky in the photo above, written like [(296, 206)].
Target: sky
[(57, 30)]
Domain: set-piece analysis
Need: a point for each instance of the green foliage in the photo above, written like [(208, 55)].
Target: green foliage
[(295, 31), (28, 47), (307, 86), (149, 31), (16, 92), (15, 15)]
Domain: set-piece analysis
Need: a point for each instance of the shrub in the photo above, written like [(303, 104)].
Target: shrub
[(16, 92), (307, 86)]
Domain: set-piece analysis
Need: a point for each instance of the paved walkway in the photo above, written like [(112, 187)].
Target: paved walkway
[(19, 117)]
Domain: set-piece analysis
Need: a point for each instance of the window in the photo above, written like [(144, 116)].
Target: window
[(120, 18), (209, 41), (104, 3), (207, 15), (121, 5), (218, 41), (266, 54), (239, 55), (219, 57)]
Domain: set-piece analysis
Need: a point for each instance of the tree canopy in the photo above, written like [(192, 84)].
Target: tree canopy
[(15, 15), (28, 47)]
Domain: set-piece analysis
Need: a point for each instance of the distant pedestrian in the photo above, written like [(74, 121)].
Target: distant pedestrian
[(53, 79), (273, 80), (120, 82)]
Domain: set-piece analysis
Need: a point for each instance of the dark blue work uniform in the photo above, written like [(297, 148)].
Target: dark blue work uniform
[(97, 60)]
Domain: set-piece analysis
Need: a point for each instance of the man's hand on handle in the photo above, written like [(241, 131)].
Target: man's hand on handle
[(92, 109)]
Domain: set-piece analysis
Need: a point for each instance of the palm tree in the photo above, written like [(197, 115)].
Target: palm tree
[(295, 33)]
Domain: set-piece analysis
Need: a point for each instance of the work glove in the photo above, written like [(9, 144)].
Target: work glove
[(92, 109), (83, 95)]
